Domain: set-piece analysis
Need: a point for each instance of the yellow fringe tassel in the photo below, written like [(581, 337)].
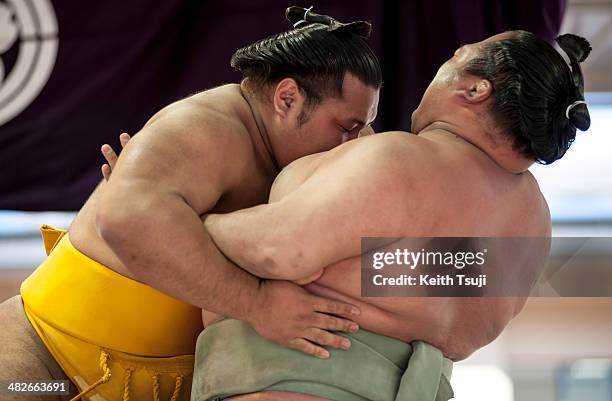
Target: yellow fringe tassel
[(106, 375), (177, 388), (155, 387), (126, 384)]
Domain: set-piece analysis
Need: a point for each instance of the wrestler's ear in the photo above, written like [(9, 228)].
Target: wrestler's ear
[(288, 98), (475, 90)]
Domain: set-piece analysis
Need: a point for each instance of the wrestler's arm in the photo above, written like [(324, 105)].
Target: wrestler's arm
[(351, 195), (149, 214)]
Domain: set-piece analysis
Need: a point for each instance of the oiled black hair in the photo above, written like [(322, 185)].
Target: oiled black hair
[(317, 54), (533, 87)]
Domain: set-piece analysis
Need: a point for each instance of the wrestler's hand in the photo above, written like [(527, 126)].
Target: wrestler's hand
[(292, 317), (111, 157)]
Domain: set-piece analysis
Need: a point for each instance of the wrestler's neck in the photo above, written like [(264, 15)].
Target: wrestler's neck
[(259, 132), (472, 130)]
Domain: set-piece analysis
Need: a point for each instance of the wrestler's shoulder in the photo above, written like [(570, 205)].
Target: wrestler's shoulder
[(212, 114), (396, 148), (401, 140)]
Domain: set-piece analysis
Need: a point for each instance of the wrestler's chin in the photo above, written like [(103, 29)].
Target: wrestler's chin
[(276, 396)]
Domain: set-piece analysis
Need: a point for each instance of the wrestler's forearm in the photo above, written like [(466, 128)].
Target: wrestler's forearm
[(237, 239), (164, 245), (252, 239)]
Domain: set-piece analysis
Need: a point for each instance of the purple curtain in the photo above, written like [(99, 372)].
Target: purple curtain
[(73, 76)]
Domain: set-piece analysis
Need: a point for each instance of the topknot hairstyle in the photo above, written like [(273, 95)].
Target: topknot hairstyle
[(538, 98), (317, 53)]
